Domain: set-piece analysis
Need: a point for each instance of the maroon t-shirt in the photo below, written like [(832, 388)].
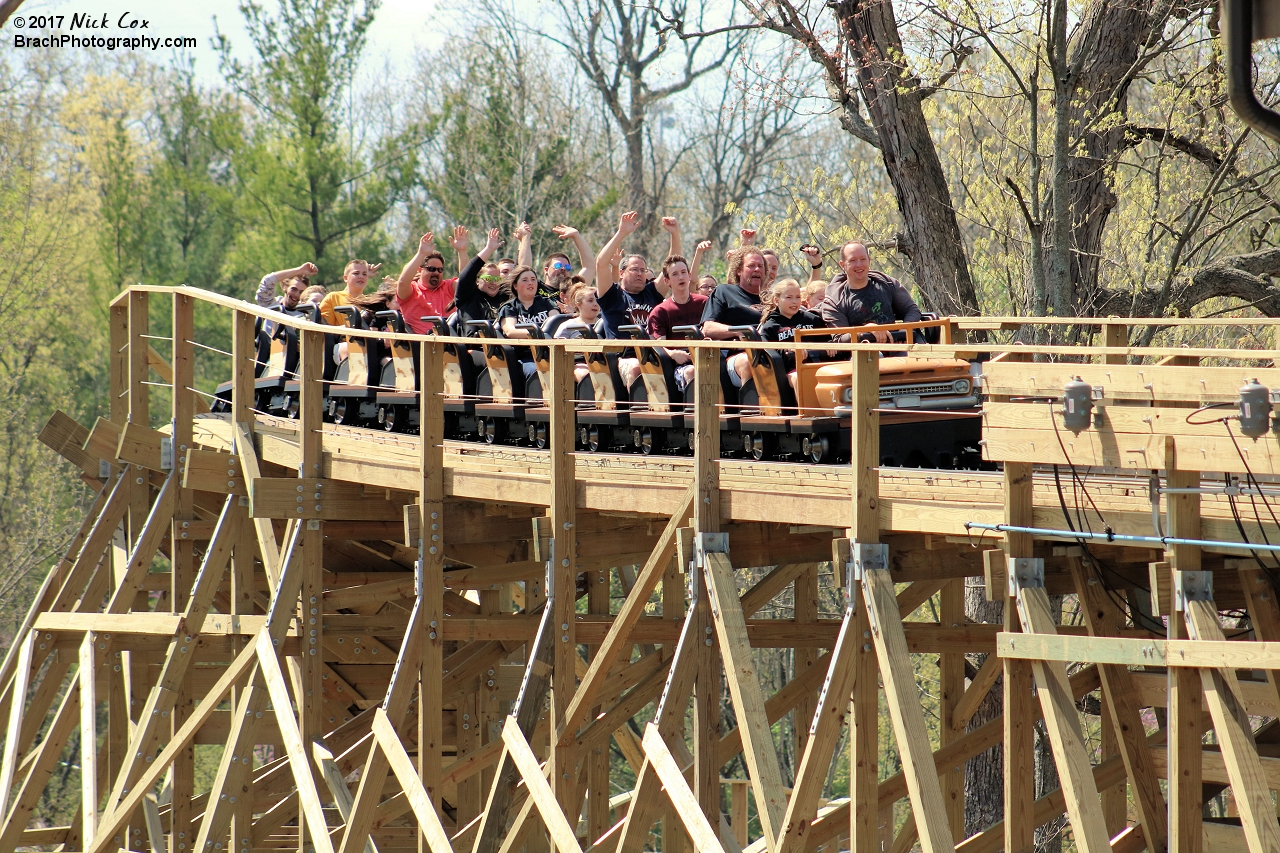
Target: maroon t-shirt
[(666, 315)]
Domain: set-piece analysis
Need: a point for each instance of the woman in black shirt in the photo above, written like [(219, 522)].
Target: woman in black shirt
[(525, 307)]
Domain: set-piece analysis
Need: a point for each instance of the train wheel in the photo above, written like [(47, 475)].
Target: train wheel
[(540, 437), (758, 445), (582, 438), (488, 430), (395, 419), (650, 441), (593, 439), (816, 447), (292, 407), (342, 413)]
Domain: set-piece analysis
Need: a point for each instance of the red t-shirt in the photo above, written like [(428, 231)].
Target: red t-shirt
[(426, 303), (666, 315)]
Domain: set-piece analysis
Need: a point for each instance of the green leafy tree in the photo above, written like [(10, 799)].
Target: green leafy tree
[(306, 187)]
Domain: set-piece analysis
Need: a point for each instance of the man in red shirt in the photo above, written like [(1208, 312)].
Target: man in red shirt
[(421, 290)]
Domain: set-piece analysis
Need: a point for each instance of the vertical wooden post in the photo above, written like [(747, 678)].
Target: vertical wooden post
[(951, 678), (1186, 825), (674, 607), (182, 554), (1019, 702), (139, 401), (1115, 335), (88, 678), (805, 599), (563, 573), (598, 760), (244, 352), (864, 527), (311, 621), (706, 519), (431, 566)]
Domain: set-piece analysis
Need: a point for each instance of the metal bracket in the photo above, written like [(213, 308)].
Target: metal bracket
[(1025, 573), (166, 453), (1191, 586), (866, 556), (709, 543), (549, 579), (104, 469)]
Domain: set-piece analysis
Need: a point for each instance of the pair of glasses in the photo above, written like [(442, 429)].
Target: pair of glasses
[(434, 269), (491, 278), (560, 265)]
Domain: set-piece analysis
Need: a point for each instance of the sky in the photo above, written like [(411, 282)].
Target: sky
[(400, 28)]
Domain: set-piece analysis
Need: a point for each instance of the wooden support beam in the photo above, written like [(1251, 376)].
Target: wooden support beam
[(1231, 724), (88, 737), (824, 733), (402, 766), (1102, 618), (1019, 701), (544, 798), (618, 638), (758, 749), (706, 837), (1185, 712), (1062, 721), (563, 574), (903, 699)]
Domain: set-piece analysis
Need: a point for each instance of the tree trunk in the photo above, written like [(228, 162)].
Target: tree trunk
[(984, 774), (932, 239), (1108, 44)]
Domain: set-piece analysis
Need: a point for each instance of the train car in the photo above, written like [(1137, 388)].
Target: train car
[(930, 408)]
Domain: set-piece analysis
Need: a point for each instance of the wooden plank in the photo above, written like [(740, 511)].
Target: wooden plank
[(903, 699), (1235, 736), (563, 570), (1091, 448), (43, 763), (307, 671), (544, 799), (758, 749), (951, 673), (976, 692), (268, 547), (140, 445), (706, 440), (213, 471), (337, 785), (431, 552), (317, 498), (1129, 651), (705, 837), (1062, 723), (1182, 384), (864, 456), (402, 766)]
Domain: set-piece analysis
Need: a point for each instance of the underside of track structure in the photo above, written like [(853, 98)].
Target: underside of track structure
[(401, 642)]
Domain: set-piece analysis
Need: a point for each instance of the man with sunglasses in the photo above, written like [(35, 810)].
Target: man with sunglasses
[(421, 289)]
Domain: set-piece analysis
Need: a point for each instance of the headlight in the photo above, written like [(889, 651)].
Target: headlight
[(961, 386)]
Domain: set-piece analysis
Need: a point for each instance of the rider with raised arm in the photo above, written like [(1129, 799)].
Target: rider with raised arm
[(421, 289)]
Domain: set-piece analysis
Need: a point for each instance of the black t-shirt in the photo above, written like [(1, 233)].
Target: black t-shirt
[(537, 313), (776, 327), (472, 302), (732, 306), (621, 308)]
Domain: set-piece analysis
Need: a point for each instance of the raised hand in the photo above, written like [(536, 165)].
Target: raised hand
[(703, 246), (670, 225), (812, 253), (309, 269), (522, 231), (494, 239), (564, 232), (373, 269), (460, 238), (748, 236), (629, 222), (427, 243)]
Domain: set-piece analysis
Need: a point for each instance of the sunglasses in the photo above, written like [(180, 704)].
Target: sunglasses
[(560, 265), (434, 269), (491, 278)]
